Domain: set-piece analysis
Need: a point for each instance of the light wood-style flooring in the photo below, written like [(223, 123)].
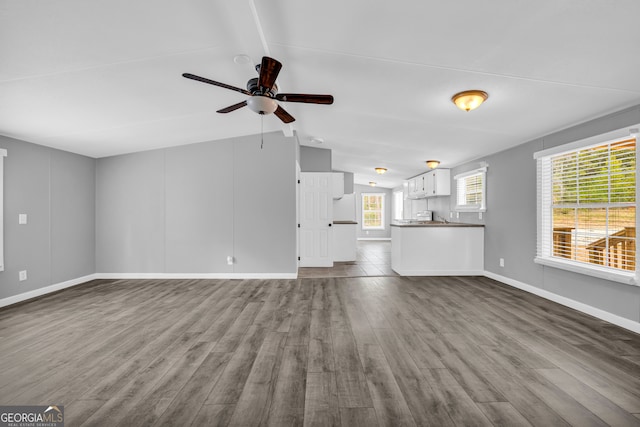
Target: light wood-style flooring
[(373, 258), (366, 351)]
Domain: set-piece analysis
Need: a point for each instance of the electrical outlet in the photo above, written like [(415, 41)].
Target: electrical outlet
[(457, 215), (22, 219), (229, 260), (450, 214), (501, 262), (22, 275), (479, 215)]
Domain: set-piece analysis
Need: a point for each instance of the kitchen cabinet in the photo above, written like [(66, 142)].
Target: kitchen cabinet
[(437, 183), (431, 184), (436, 249), (416, 187)]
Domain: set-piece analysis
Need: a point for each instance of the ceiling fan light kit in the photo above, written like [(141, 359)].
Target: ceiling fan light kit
[(262, 104), (469, 99), (263, 91)]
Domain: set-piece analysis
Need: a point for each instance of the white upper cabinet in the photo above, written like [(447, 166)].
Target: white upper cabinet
[(437, 183), (431, 184)]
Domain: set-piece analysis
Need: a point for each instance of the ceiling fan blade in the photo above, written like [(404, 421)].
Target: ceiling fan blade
[(212, 82), (269, 70), (283, 115), (307, 98), (233, 107)]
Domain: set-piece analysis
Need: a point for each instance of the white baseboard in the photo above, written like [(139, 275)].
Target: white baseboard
[(440, 272), (568, 302), (374, 238), (46, 290), (197, 275)]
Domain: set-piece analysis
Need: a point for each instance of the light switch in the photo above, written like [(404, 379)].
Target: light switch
[(22, 219)]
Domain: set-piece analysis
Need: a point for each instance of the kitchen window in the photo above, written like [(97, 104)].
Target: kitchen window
[(470, 190), (587, 208), (373, 211)]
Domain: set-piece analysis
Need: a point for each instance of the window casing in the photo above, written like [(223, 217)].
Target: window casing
[(471, 190), (373, 206), (398, 205), (3, 154), (587, 209)]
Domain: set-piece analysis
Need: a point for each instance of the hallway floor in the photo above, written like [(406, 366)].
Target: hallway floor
[(373, 258)]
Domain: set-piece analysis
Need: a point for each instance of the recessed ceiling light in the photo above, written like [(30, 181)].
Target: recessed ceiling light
[(242, 59), (381, 170), (469, 99)]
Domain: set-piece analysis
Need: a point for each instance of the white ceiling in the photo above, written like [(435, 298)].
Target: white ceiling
[(104, 77)]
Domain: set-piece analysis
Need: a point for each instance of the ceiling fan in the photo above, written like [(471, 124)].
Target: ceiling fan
[(263, 92)]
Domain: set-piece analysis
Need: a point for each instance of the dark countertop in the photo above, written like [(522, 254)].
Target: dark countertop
[(344, 222), (435, 224)]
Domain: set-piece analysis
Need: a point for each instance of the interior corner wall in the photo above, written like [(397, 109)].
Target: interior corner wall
[(56, 190), (359, 189), (511, 217), (313, 159), (184, 210)]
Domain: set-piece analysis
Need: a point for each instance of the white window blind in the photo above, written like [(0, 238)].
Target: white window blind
[(470, 190), (587, 209), (3, 154)]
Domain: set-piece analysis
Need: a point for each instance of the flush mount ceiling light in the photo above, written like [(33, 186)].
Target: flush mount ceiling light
[(381, 170), (371, 183), (469, 99), (433, 163)]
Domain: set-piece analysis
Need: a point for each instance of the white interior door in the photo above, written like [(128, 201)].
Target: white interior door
[(316, 219)]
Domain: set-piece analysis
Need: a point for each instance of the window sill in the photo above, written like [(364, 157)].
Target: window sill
[(600, 272), (469, 209)]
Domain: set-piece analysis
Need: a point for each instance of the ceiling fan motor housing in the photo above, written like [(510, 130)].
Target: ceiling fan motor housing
[(253, 86)]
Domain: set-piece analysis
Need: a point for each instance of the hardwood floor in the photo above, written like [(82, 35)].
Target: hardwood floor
[(358, 351)]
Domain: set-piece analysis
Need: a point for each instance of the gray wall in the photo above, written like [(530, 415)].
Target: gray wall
[(372, 234), (185, 209), (510, 221), (314, 159), (56, 190)]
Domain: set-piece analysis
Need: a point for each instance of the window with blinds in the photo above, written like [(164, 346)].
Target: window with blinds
[(373, 211), (470, 190), (587, 206)]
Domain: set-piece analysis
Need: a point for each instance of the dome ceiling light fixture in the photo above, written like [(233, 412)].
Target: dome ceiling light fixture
[(381, 170), (469, 99), (371, 183), (432, 164)]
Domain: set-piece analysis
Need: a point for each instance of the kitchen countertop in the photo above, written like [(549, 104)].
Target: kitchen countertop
[(434, 224)]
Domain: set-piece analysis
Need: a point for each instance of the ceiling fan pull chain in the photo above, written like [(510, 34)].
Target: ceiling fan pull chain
[(261, 131)]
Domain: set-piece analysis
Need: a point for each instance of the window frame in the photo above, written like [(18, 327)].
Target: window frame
[(461, 178), (3, 154), (382, 211), (544, 226)]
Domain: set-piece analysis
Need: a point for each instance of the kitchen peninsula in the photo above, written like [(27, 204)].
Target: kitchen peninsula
[(435, 248)]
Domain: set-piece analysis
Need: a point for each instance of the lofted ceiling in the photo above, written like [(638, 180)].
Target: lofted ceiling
[(101, 77)]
